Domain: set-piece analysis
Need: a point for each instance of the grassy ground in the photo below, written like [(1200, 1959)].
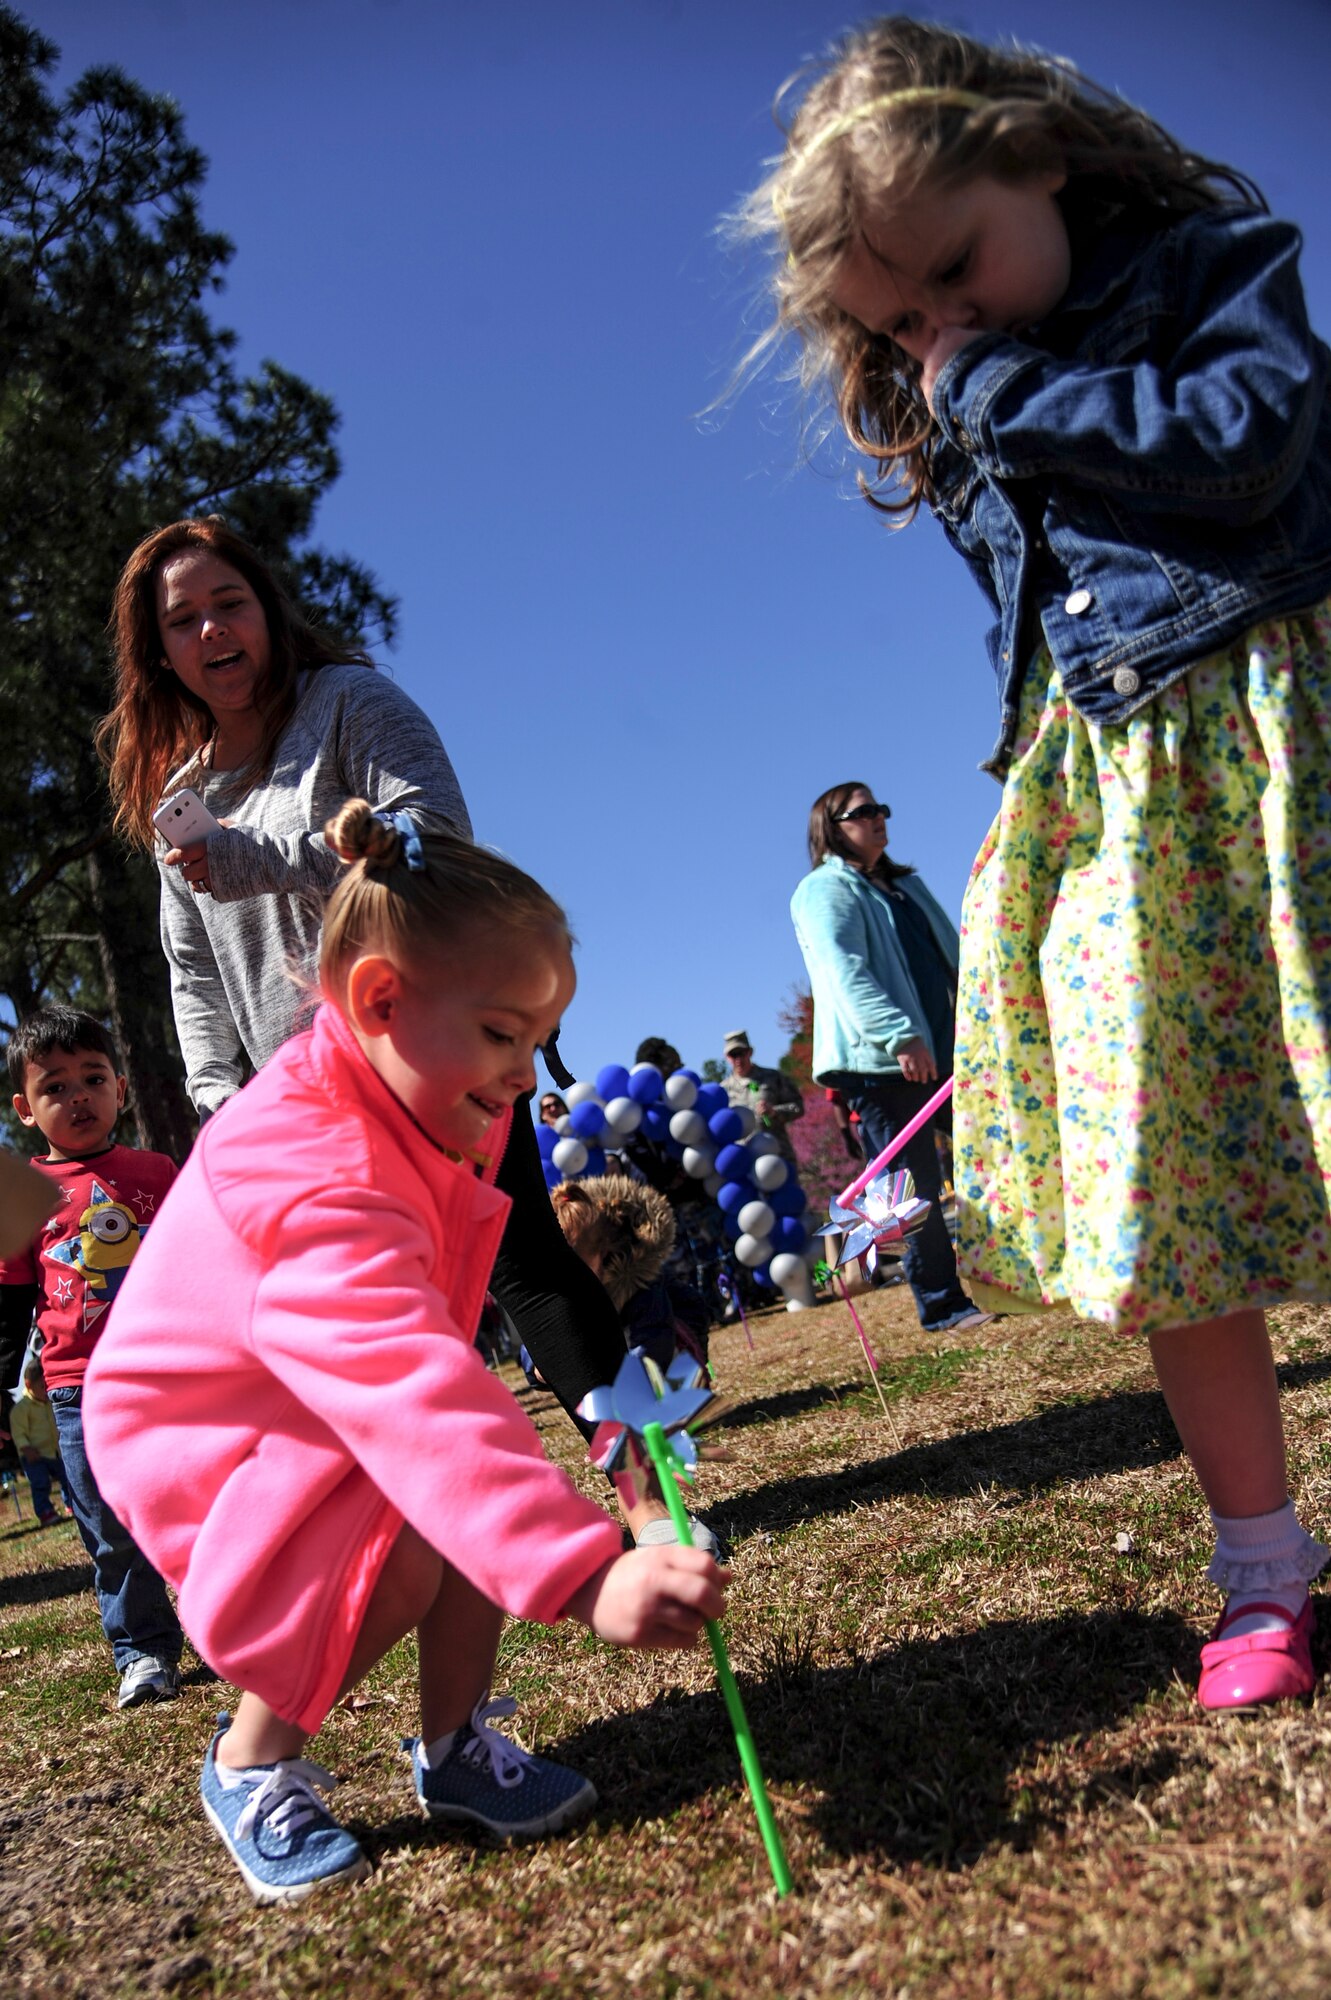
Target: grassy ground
[(974, 1711)]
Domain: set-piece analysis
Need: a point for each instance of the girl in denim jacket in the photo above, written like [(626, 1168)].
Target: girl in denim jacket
[(1086, 349)]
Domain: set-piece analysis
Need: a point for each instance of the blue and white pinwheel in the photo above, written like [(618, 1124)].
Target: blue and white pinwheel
[(884, 1214), (640, 1395)]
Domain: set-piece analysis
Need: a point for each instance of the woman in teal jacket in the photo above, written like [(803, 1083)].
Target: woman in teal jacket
[(882, 964)]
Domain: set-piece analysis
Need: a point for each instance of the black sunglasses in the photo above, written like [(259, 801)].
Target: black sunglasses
[(871, 809)]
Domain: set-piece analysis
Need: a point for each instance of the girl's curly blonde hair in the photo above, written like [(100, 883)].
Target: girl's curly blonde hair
[(900, 103)]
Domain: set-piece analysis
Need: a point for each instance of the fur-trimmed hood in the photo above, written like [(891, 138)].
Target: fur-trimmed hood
[(639, 1222)]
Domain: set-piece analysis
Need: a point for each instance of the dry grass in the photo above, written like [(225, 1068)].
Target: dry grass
[(975, 1717)]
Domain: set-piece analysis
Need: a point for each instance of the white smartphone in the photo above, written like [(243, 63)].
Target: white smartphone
[(184, 818)]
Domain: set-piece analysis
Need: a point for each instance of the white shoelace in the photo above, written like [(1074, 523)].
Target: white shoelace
[(508, 1761), (287, 1798)]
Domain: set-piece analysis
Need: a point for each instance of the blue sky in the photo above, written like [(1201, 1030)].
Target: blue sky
[(649, 640)]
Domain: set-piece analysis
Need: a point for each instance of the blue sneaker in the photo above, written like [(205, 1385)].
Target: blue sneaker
[(277, 1829), (488, 1779)]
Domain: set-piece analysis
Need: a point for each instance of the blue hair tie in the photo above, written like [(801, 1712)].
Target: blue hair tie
[(404, 826)]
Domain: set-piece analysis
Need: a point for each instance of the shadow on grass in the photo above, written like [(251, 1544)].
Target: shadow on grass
[(787, 1403), (1070, 1441), (910, 1754), (42, 1586)]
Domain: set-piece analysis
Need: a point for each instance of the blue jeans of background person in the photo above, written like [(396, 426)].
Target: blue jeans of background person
[(885, 1104), (41, 1471), (137, 1615)]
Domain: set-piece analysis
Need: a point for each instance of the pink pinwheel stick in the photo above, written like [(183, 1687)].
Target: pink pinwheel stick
[(871, 1358), (903, 1138)]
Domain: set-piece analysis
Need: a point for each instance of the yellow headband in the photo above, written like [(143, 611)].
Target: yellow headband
[(969, 100)]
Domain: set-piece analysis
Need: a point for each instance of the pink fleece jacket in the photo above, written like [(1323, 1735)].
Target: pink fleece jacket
[(306, 1301)]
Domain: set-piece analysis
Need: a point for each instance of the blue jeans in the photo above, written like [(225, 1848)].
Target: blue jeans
[(885, 1104), (41, 1471), (137, 1615)]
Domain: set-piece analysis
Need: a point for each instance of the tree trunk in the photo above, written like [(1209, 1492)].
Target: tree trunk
[(138, 999)]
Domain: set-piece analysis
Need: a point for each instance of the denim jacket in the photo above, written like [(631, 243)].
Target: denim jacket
[(1148, 471), (866, 1005)]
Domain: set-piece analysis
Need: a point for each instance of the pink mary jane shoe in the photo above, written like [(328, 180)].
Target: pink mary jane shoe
[(1261, 1666)]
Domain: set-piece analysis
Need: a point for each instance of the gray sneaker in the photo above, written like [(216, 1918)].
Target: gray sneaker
[(148, 1679), (658, 1532)]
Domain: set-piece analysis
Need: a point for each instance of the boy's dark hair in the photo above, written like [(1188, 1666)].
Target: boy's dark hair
[(48, 1028), (659, 1051)]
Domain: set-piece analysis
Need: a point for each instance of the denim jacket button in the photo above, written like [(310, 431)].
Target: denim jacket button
[(1126, 681), (1079, 601)]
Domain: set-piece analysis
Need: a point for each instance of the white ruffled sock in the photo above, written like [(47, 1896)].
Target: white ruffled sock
[(1263, 1559)]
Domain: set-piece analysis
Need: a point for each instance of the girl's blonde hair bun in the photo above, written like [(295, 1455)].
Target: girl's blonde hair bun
[(415, 894), (357, 833)]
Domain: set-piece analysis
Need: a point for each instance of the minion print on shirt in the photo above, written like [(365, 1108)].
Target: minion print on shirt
[(102, 1252)]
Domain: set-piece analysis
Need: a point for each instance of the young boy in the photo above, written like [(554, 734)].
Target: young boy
[(32, 1427), (62, 1066)]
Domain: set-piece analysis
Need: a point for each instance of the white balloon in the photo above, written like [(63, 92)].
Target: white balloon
[(623, 1115), (713, 1185), (771, 1172), (748, 1124), (680, 1091), (757, 1219), (570, 1156), (581, 1093), (762, 1142), (753, 1250), (689, 1127), (698, 1162), (563, 1124), (791, 1273)]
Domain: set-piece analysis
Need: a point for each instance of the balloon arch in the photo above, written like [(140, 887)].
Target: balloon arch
[(762, 1205)]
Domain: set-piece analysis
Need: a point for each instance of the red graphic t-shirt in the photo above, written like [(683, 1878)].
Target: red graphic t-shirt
[(79, 1259)]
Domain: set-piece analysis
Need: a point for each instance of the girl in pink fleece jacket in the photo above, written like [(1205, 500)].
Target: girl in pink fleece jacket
[(288, 1412)]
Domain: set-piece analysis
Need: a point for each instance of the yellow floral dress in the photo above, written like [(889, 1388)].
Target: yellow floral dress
[(1143, 1063)]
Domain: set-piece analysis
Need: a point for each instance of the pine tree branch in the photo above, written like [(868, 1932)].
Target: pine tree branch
[(58, 862)]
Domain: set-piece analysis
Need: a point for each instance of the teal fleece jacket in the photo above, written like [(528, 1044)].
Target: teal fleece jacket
[(865, 1002)]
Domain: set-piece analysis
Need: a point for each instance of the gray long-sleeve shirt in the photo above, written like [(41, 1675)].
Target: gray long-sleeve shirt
[(244, 959)]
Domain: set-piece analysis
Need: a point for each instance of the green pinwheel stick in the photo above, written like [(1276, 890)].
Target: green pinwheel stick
[(654, 1438)]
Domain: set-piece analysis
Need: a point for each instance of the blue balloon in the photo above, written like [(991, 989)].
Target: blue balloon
[(711, 1097), (763, 1276), (732, 1228), (552, 1174), (656, 1122), (790, 1233), (646, 1084), (789, 1199), (595, 1163), (612, 1081), (546, 1140), (731, 1197), (587, 1121), (734, 1164), (725, 1126)]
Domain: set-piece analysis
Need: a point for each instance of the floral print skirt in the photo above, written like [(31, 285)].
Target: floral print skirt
[(1143, 1064)]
